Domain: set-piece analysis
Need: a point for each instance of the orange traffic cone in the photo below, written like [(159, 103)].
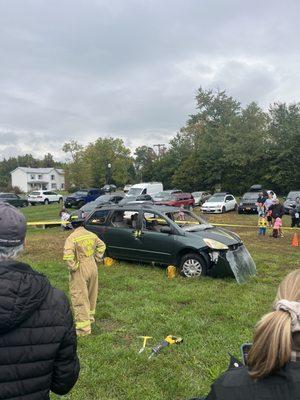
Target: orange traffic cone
[(295, 241)]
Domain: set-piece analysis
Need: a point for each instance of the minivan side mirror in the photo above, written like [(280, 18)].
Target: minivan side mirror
[(166, 229)]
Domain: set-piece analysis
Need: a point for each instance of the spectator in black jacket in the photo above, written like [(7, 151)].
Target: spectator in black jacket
[(37, 334), (277, 209), (274, 359)]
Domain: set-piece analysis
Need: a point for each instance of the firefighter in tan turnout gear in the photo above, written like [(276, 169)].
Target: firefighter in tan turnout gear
[(81, 252)]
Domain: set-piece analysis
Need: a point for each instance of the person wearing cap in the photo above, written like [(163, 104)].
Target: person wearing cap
[(37, 333), (82, 250), (273, 370)]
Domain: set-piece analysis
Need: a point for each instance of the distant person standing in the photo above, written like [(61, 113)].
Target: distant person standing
[(260, 203), (295, 215), (81, 252), (268, 203), (277, 209)]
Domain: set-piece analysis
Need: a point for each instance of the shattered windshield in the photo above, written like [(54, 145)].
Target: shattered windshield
[(188, 221)]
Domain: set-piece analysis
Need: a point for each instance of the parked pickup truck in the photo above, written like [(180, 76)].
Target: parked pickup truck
[(82, 197)]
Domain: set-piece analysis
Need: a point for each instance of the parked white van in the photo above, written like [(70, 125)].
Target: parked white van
[(150, 188)]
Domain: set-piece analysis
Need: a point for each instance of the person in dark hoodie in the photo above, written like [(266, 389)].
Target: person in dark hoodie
[(37, 333)]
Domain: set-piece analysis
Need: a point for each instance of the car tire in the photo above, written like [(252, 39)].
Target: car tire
[(192, 265), (46, 202), (223, 209), (61, 200), (32, 204)]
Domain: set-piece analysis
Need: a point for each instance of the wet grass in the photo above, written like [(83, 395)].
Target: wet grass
[(213, 316)]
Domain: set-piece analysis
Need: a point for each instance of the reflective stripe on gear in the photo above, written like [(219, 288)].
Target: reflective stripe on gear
[(92, 312), (83, 237), (83, 324), (68, 257)]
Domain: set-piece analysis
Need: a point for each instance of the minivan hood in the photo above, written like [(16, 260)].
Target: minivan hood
[(219, 234)]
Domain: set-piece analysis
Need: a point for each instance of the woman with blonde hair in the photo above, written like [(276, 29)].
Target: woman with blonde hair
[(273, 371)]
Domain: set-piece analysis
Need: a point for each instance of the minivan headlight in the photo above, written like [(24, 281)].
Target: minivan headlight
[(214, 244)]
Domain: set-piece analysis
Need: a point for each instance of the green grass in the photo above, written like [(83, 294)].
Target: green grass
[(42, 212), (213, 316)]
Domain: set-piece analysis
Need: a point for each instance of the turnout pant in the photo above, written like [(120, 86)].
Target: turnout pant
[(84, 292)]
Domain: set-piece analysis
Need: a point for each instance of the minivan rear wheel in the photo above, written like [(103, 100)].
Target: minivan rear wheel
[(192, 265)]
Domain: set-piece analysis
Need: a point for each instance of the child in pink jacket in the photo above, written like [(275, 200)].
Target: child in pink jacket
[(277, 227)]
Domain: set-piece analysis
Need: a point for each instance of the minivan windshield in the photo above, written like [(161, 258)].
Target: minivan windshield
[(134, 191), (293, 195), (188, 221)]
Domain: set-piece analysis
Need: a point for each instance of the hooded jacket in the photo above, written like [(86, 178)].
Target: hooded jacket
[(37, 336), (236, 384)]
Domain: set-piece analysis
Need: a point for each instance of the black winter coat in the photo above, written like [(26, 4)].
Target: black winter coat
[(37, 336), (236, 384)]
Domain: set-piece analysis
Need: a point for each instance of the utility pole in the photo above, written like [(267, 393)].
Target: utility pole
[(161, 148)]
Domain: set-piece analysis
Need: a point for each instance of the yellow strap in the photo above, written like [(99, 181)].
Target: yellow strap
[(67, 257), (83, 324)]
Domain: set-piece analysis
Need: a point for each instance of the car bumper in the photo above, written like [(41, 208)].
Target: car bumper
[(211, 210), (237, 263), (247, 209), (36, 200)]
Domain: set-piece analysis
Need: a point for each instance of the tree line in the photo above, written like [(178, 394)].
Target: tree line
[(224, 146)]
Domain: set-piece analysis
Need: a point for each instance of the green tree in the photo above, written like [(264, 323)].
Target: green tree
[(283, 166)]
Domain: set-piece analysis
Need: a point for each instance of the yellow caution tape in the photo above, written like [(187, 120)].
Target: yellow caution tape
[(47, 223)]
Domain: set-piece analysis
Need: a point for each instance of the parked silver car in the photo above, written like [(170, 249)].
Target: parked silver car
[(200, 197)]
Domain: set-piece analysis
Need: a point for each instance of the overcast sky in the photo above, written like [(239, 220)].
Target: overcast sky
[(80, 69)]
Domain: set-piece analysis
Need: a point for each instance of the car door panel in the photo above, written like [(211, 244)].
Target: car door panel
[(157, 247)]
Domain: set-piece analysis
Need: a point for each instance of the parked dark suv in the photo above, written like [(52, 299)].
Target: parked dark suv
[(82, 197), (161, 234), (248, 200)]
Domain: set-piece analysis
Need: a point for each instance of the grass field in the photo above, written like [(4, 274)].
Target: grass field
[(213, 316)]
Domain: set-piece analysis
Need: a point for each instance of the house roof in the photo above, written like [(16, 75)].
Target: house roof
[(39, 170)]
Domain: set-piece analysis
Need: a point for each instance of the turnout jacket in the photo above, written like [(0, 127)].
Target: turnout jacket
[(37, 336), (236, 384)]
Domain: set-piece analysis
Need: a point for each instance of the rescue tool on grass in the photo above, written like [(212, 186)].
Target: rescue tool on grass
[(169, 340), (146, 338)]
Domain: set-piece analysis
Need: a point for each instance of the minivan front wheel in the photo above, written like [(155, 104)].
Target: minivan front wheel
[(192, 265)]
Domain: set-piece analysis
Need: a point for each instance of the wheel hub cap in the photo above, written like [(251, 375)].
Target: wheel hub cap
[(191, 268)]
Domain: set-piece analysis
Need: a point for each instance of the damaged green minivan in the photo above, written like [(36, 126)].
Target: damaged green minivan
[(171, 236)]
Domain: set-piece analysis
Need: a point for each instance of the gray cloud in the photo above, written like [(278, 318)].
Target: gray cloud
[(87, 68)]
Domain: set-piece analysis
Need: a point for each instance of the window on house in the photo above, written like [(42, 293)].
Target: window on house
[(62, 186), (32, 176), (53, 186), (40, 176), (52, 177)]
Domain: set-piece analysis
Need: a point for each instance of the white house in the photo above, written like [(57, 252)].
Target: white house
[(28, 179)]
